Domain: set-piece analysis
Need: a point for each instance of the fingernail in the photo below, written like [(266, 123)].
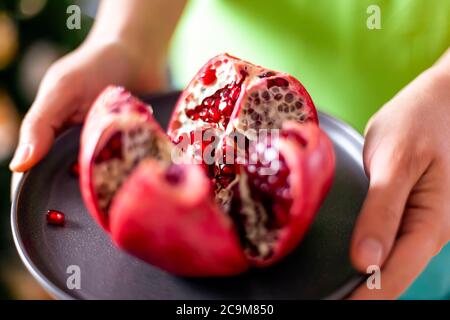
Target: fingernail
[(370, 251), (22, 154)]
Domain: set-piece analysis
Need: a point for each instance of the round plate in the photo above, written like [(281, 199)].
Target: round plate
[(318, 268)]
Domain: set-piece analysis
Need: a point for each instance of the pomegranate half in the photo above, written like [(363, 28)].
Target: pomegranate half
[(234, 184)]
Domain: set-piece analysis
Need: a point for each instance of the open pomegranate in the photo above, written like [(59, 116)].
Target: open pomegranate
[(234, 184)]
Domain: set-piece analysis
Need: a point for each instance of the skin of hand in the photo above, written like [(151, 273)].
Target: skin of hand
[(127, 46), (405, 219)]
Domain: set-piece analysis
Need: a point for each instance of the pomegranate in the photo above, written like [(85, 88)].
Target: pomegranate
[(254, 169), (55, 218), (118, 134)]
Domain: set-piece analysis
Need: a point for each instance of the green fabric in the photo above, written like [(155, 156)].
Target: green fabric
[(349, 70)]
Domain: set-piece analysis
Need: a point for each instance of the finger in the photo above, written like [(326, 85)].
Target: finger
[(36, 138), (37, 133), (391, 180), (409, 257)]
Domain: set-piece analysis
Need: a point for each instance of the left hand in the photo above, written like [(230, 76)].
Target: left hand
[(405, 219)]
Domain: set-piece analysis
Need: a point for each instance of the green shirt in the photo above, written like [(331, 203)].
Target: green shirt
[(349, 69)]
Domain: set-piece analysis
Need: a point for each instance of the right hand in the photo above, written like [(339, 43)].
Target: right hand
[(70, 86)]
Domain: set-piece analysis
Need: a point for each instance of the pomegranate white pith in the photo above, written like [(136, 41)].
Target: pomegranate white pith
[(123, 151)]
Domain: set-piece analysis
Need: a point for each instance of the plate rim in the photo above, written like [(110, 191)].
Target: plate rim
[(55, 291), (58, 293)]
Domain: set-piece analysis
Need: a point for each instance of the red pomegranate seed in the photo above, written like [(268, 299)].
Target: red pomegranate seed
[(214, 115), (235, 93), (142, 108), (281, 217), (105, 154), (174, 174), (277, 82), (244, 75), (112, 149), (55, 218), (209, 77), (228, 94)]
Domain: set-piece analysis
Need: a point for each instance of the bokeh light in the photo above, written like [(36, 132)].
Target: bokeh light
[(30, 8), (9, 40)]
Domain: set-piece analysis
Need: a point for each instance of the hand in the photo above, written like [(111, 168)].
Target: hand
[(127, 46), (69, 88), (405, 219)]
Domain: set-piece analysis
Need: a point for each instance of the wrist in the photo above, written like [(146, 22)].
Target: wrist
[(143, 67), (442, 66), (440, 76)]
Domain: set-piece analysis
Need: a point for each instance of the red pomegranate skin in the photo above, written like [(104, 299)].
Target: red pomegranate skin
[(113, 109), (312, 172), (175, 227)]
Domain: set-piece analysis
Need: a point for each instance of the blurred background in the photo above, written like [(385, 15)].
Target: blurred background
[(31, 38)]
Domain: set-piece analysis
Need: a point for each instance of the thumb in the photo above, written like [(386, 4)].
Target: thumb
[(36, 138), (53, 106), (392, 178)]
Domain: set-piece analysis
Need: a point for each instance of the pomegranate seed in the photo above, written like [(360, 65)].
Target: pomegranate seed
[(55, 218), (214, 115), (228, 170), (142, 108), (116, 143), (228, 95), (174, 174), (112, 149), (209, 101), (209, 77), (228, 110), (178, 140), (105, 154), (273, 185), (277, 82), (281, 217), (190, 113), (235, 93)]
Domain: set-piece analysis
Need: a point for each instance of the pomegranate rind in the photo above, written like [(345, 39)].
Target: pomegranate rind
[(114, 109), (174, 123), (177, 228), (252, 82), (312, 169)]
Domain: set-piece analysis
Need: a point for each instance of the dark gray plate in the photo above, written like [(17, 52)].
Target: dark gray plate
[(318, 268)]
